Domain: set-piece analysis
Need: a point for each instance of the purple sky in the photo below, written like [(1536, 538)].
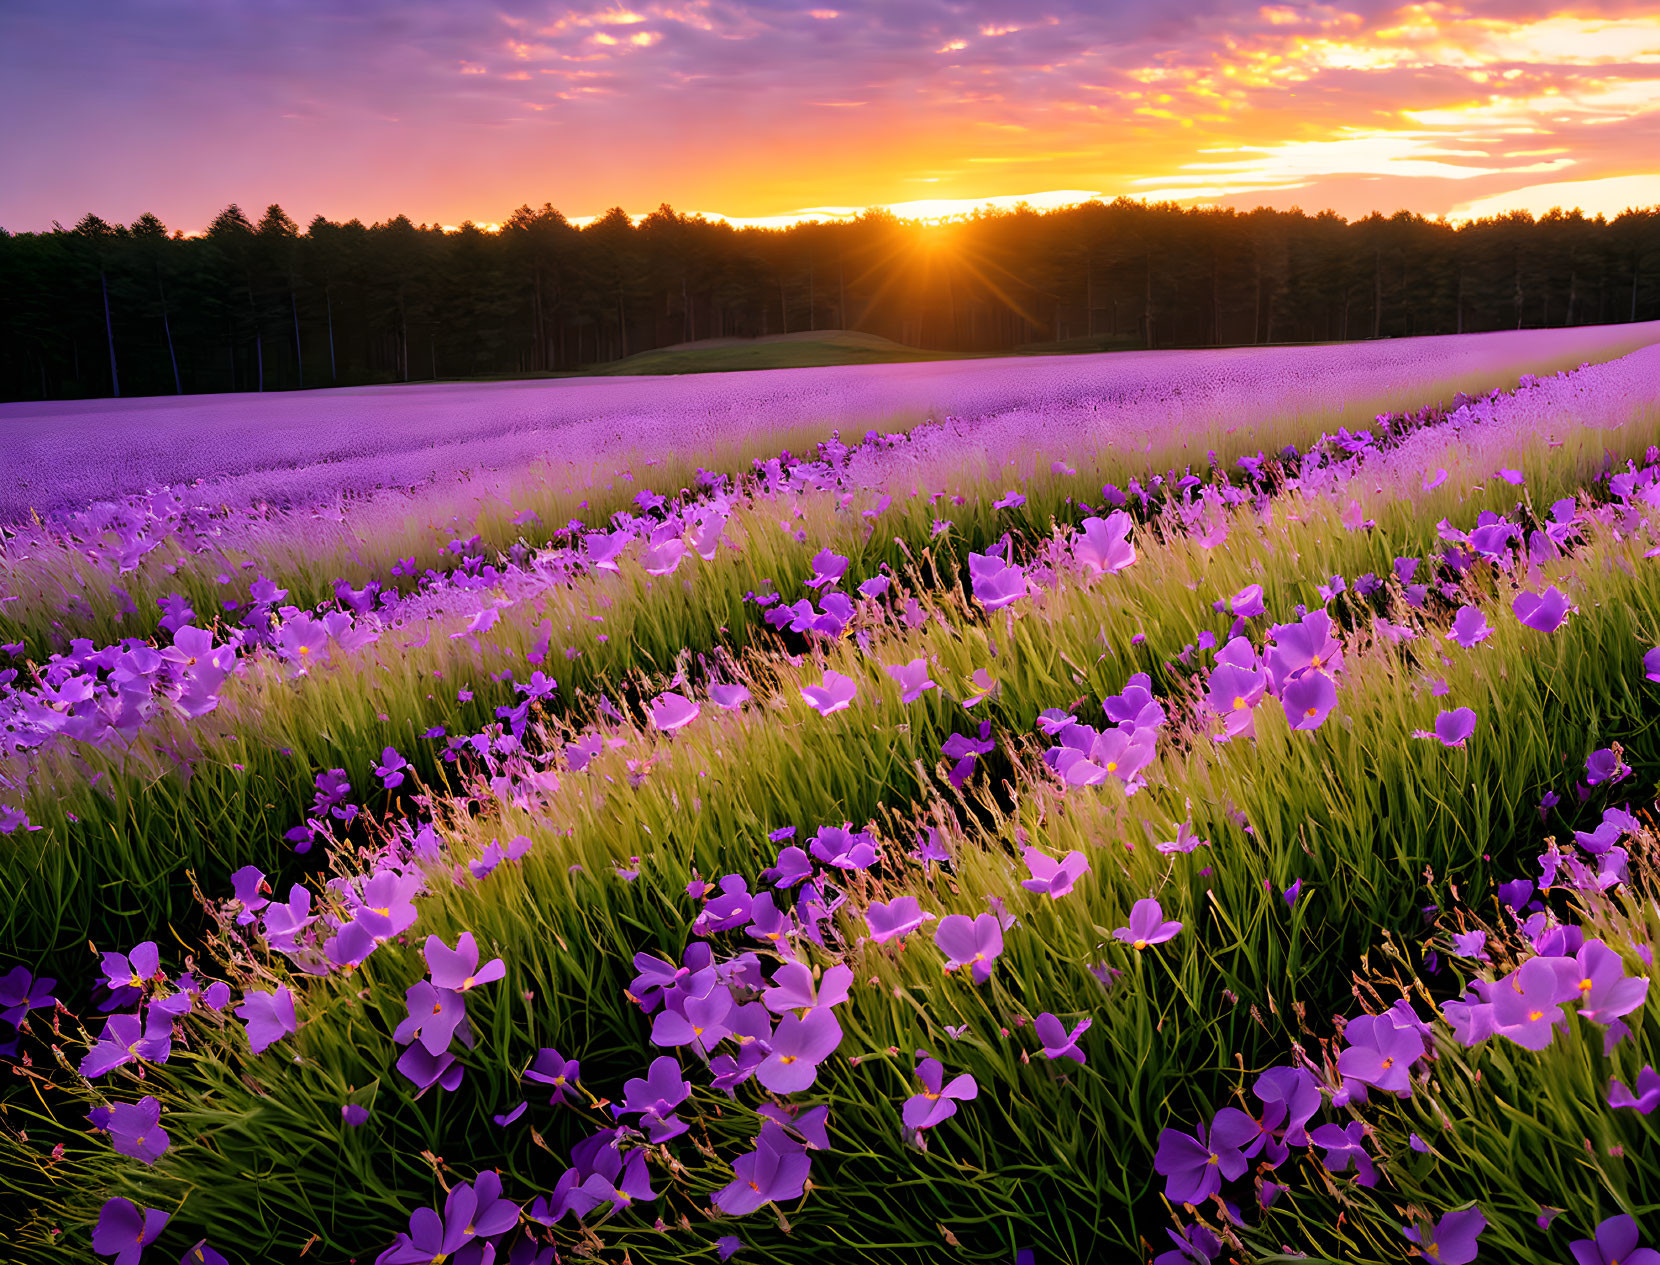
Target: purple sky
[(463, 110)]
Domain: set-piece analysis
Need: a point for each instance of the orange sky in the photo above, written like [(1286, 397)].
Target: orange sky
[(449, 110)]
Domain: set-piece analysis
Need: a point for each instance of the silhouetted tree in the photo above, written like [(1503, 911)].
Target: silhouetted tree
[(104, 309)]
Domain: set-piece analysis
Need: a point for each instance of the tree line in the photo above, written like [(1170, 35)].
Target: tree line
[(104, 309)]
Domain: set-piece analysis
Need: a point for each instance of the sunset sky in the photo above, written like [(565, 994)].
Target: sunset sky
[(448, 110)]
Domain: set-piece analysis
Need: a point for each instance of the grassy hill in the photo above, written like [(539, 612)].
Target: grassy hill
[(776, 351)]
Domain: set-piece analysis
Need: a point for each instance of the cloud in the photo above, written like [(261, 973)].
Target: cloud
[(1607, 196), (450, 109)]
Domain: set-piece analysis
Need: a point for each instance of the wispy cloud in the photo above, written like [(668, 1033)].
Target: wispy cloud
[(449, 109)]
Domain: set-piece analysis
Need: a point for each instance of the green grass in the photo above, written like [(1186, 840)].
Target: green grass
[(1050, 1156), (1056, 1161), (778, 351)]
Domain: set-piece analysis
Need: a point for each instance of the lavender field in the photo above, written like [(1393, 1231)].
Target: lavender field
[(1181, 807)]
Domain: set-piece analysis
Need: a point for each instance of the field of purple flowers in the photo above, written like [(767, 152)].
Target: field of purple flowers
[(1191, 807)]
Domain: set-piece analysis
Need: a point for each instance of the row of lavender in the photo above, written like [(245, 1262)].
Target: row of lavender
[(815, 915)]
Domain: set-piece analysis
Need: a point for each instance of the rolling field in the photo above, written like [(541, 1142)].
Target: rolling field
[(1188, 807)]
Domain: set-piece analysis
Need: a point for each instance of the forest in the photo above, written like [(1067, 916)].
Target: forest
[(104, 309)]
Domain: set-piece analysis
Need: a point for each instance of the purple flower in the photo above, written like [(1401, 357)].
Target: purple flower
[(303, 641), (1247, 603), (1345, 1145), (1290, 1095), (269, 1016), (938, 1101), (962, 747), (433, 1016), (458, 968), (1194, 1246), (1185, 840), (124, 1232), (729, 697), (284, 921), (672, 711), (1308, 700), (996, 583), (1543, 612), (774, 1171), (552, 1068), (793, 866), (390, 769), (1452, 1240), (974, 943), (899, 917), (1605, 991), (1647, 1097), (1380, 1054), (1103, 546), (1235, 691), (828, 569), (249, 885), (1050, 877), (1057, 1042), (793, 988), (134, 969), (1469, 627), (1527, 1003), (1194, 1165), (663, 557), (655, 1097), (202, 1254), (844, 848), (1602, 766), (726, 1245), (799, 1045), (1651, 664), (126, 1038), (1012, 500), (1472, 944), (695, 1018), (1455, 727), (1308, 646), (836, 694), (1147, 925), (474, 1212), (1616, 823), (135, 1129), (1615, 1244), (912, 678), (21, 992), (929, 848), (600, 1175), (354, 1114)]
